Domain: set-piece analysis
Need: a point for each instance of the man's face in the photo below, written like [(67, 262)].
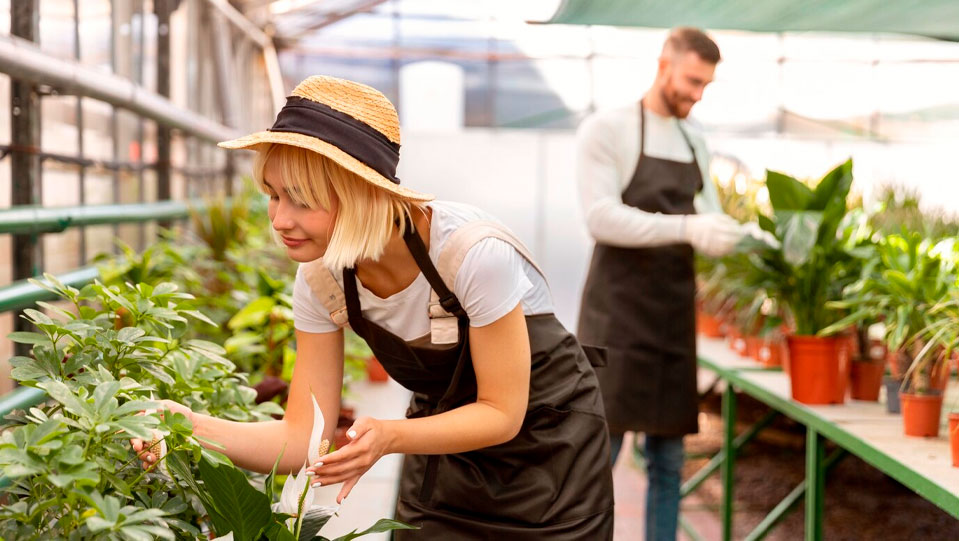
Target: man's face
[(684, 79)]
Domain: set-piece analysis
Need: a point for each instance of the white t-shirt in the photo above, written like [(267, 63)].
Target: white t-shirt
[(606, 155), (492, 280)]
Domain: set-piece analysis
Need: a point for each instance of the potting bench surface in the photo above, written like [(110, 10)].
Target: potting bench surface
[(861, 428)]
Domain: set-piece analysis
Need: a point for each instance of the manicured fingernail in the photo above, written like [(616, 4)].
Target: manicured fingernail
[(351, 434), (317, 465), (317, 484), (310, 473)]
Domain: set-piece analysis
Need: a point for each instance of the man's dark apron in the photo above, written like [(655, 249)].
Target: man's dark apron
[(640, 304), (550, 482)]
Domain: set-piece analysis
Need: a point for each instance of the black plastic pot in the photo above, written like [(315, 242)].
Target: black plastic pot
[(892, 393)]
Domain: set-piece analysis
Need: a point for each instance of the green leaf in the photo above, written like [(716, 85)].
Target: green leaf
[(800, 231), (61, 393), (787, 193), (245, 510), (130, 334), (254, 314), (23, 337), (382, 525)]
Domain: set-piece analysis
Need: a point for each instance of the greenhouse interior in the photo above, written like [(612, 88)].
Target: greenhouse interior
[(647, 269)]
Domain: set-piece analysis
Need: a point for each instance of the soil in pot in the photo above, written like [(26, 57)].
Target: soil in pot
[(921, 413), (819, 369)]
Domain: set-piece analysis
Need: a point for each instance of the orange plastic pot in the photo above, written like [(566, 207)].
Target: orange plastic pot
[(865, 380), (737, 342), (767, 352), (753, 344), (819, 369), (920, 414), (954, 438), (375, 371), (708, 325)]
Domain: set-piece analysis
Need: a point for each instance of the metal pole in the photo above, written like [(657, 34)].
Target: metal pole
[(138, 70), (114, 116), (729, 449), (24, 166), (225, 82), (163, 8), (815, 484), (22, 59), (82, 173)]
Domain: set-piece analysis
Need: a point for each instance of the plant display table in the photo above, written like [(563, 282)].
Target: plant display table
[(860, 428)]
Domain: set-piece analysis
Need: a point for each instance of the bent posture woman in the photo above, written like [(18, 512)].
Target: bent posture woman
[(505, 437)]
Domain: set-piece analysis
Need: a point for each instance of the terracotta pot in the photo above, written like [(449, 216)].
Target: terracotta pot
[(954, 438), (865, 380), (819, 369), (753, 343), (709, 325), (737, 342), (921, 413), (765, 351), (375, 371)]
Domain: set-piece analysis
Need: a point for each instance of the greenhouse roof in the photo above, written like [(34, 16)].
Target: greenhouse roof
[(932, 18)]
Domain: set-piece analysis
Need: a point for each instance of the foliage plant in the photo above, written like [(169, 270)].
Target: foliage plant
[(101, 361), (818, 252), (900, 287)]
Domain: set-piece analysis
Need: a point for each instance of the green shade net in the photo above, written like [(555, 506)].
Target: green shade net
[(933, 18)]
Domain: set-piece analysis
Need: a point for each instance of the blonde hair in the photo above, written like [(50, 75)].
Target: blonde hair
[(365, 216)]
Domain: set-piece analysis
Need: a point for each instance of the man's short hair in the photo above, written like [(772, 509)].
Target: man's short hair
[(687, 38)]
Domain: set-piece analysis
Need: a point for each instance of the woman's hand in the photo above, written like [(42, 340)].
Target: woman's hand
[(370, 439), (148, 455)]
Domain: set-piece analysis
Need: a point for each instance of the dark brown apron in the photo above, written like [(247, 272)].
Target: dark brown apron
[(551, 482), (640, 304)]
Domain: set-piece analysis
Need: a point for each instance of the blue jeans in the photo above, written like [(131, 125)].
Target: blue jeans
[(664, 464)]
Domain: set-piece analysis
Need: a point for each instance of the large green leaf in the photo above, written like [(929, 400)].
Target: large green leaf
[(831, 195), (799, 233), (254, 314), (834, 185), (244, 509), (787, 193), (382, 525)]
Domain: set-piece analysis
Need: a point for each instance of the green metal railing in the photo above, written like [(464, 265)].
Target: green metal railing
[(36, 219), (40, 220)]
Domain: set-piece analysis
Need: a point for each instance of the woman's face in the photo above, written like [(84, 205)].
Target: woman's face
[(305, 232)]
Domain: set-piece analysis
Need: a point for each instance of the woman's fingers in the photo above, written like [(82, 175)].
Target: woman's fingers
[(347, 487), (137, 444)]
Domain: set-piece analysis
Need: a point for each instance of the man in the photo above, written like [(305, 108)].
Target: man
[(639, 170)]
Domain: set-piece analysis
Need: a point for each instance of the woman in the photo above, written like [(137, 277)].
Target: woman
[(505, 437)]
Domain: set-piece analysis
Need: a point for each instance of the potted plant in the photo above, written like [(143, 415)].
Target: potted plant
[(816, 258), (901, 286)]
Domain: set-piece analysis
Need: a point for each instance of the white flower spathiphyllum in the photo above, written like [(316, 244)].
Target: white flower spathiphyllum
[(295, 484)]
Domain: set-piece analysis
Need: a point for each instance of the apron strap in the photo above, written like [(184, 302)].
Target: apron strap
[(324, 286), (443, 328)]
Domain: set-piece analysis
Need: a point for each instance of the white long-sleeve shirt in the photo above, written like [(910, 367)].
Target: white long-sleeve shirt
[(607, 154)]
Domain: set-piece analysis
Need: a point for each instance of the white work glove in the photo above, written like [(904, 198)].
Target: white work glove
[(714, 234), (753, 230)]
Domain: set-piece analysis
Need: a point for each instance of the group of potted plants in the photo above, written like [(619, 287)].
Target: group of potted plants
[(854, 294)]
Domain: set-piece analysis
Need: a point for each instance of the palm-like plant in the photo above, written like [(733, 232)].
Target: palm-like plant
[(902, 287)]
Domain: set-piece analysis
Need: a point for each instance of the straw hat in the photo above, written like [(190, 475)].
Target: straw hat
[(352, 124)]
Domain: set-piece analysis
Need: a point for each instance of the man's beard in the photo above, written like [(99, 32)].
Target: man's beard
[(672, 104)]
